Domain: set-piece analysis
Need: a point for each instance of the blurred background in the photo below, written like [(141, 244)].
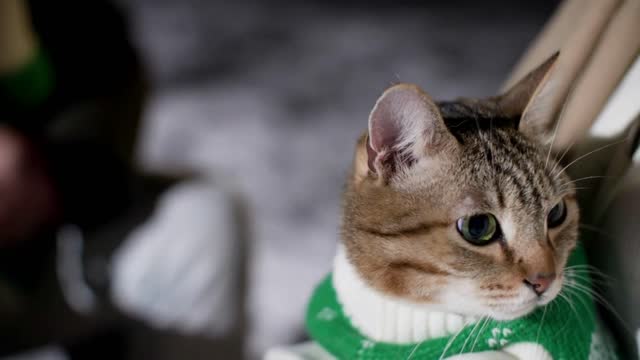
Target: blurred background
[(205, 203)]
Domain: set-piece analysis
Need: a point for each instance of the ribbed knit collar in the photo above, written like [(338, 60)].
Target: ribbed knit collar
[(382, 318)]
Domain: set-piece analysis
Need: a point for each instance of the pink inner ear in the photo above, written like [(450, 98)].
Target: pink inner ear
[(371, 156), (403, 121), (384, 130)]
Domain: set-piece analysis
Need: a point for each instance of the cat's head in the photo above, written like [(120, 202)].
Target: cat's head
[(460, 204)]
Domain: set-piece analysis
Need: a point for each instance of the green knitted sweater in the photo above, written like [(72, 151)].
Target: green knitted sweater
[(566, 331)]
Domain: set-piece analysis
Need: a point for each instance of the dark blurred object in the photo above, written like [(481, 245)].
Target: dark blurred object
[(82, 137), (28, 197), (55, 271), (88, 46)]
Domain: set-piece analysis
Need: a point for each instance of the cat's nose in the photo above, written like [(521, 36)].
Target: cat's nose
[(539, 282)]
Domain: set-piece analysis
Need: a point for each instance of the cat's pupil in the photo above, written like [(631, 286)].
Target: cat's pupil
[(557, 215), (478, 225)]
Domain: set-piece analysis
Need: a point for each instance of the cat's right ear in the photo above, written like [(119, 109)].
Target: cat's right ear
[(404, 126), (534, 99)]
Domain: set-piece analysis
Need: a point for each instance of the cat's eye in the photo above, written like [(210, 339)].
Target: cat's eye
[(557, 215), (478, 229)]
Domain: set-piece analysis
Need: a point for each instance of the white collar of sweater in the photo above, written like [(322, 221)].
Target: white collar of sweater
[(383, 318)]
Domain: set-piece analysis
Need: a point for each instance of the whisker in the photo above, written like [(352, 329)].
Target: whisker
[(464, 345), (572, 293), (553, 139), (591, 270), (544, 313), (491, 132), (557, 161), (586, 276), (558, 120), (595, 229), (572, 289), (566, 190), (447, 346), (587, 154), (414, 350), (580, 266), (563, 296), (473, 346), (602, 301), (571, 189), (590, 292), (584, 268), (587, 178)]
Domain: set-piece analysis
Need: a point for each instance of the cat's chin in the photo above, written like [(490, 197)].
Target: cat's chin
[(505, 315), (521, 310)]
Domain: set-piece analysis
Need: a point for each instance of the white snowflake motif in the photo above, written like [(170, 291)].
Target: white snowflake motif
[(365, 345), (499, 337), (326, 314)]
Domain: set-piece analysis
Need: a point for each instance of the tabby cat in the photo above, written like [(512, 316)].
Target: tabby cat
[(458, 227)]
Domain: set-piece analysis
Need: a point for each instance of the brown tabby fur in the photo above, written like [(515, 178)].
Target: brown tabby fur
[(399, 222)]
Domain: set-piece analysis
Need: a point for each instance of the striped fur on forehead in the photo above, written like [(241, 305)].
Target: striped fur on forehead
[(495, 148)]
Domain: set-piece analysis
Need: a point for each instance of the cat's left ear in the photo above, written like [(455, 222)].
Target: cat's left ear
[(533, 98), (405, 125)]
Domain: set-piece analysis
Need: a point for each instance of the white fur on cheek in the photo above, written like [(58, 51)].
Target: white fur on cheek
[(508, 226), (460, 295)]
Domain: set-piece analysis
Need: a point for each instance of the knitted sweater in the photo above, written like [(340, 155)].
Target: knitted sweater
[(565, 331)]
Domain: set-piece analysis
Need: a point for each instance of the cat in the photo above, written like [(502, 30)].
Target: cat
[(461, 198), (458, 225)]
